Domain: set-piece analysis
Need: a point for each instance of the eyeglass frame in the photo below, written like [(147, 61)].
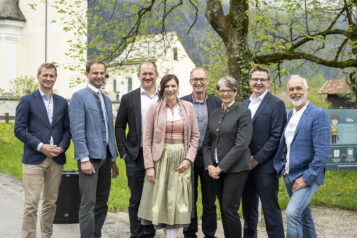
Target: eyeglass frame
[(228, 91), (201, 80), (262, 80)]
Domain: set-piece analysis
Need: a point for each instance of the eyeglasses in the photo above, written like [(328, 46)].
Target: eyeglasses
[(201, 80), (256, 80), (225, 91)]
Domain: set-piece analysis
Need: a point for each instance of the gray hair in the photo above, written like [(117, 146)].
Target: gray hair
[(227, 81), (295, 76)]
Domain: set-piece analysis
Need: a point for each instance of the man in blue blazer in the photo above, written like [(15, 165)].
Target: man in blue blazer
[(269, 118), (91, 117), (42, 124), (204, 104), (302, 156)]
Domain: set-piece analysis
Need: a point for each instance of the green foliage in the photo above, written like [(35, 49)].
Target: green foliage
[(340, 187), (24, 85)]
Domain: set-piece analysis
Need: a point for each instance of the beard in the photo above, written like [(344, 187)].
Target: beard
[(299, 102)]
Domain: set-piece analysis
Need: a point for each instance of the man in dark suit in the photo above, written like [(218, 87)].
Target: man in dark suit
[(269, 118), (132, 112), (204, 104), (42, 124)]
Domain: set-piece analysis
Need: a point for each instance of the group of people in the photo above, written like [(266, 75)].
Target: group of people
[(237, 151)]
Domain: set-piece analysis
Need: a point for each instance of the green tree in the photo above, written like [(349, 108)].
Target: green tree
[(252, 31), (24, 85)]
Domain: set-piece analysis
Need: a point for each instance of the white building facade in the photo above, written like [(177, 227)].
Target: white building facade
[(169, 55)]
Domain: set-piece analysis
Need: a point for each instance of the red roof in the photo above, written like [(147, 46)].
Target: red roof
[(333, 87)]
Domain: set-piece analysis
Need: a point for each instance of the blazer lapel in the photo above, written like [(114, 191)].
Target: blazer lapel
[(246, 103), (42, 108), (301, 121), (137, 104), (55, 108), (265, 101)]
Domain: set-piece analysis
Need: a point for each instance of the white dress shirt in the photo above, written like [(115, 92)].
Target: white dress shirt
[(49, 109), (146, 101), (290, 132), (255, 103)]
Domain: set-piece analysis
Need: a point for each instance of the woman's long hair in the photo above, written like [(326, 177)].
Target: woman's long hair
[(163, 83)]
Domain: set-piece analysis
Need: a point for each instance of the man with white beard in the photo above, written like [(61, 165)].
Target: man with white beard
[(302, 156)]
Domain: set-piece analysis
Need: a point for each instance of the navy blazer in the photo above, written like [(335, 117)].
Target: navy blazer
[(310, 148), (268, 124), (32, 126)]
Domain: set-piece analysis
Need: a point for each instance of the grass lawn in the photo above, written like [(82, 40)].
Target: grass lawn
[(340, 188)]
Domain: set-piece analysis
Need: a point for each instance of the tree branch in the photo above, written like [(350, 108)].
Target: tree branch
[(215, 16), (196, 16), (291, 55), (340, 49)]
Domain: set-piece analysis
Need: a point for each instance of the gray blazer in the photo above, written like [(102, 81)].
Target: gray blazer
[(88, 127), (230, 133)]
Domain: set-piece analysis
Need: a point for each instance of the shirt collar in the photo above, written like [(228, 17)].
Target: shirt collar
[(203, 102), (260, 98), (96, 90), (301, 111), (44, 95), (230, 106), (143, 92)]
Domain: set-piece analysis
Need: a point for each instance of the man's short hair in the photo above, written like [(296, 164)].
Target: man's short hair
[(198, 68), (94, 61), (46, 66), (259, 68), (147, 62), (296, 76)]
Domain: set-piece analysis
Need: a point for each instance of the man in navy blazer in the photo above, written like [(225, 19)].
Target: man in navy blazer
[(42, 124), (91, 117), (204, 104), (269, 118), (302, 156)]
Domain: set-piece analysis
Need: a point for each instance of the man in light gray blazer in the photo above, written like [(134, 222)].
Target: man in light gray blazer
[(91, 122)]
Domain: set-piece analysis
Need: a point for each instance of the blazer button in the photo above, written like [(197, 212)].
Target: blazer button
[(103, 120), (217, 129), (219, 122)]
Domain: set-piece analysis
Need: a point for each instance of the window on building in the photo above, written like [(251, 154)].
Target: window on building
[(130, 84), (175, 53), (114, 85)]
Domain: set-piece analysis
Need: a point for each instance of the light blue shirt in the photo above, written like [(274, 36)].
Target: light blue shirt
[(49, 109)]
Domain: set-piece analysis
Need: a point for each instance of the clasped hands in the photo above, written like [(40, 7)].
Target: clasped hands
[(184, 165), (51, 150), (214, 172)]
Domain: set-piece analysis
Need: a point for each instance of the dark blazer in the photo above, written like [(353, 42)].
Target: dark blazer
[(268, 124), (213, 102), (32, 127), (129, 113), (230, 133)]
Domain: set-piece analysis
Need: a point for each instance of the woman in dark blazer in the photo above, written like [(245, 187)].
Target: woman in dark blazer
[(226, 153)]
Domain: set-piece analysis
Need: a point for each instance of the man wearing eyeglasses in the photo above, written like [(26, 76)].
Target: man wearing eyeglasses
[(269, 117), (203, 104)]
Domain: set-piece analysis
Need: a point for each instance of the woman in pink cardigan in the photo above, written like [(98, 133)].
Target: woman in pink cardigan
[(171, 137)]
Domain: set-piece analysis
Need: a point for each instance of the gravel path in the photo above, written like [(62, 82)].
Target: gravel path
[(330, 222)]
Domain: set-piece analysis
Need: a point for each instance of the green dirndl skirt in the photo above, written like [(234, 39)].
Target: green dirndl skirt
[(168, 202)]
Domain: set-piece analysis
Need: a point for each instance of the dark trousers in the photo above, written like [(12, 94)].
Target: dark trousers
[(266, 186), (229, 192), (94, 191), (135, 171), (208, 191)]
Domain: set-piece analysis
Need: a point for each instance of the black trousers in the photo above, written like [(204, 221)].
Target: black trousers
[(266, 186), (229, 191), (135, 172), (94, 191), (208, 191)]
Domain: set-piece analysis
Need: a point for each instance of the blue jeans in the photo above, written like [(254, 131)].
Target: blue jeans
[(299, 220)]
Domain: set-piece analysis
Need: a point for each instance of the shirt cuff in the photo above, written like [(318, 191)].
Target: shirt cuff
[(39, 146), (84, 159)]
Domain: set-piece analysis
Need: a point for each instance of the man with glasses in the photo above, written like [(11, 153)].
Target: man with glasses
[(269, 117), (204, 104)]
